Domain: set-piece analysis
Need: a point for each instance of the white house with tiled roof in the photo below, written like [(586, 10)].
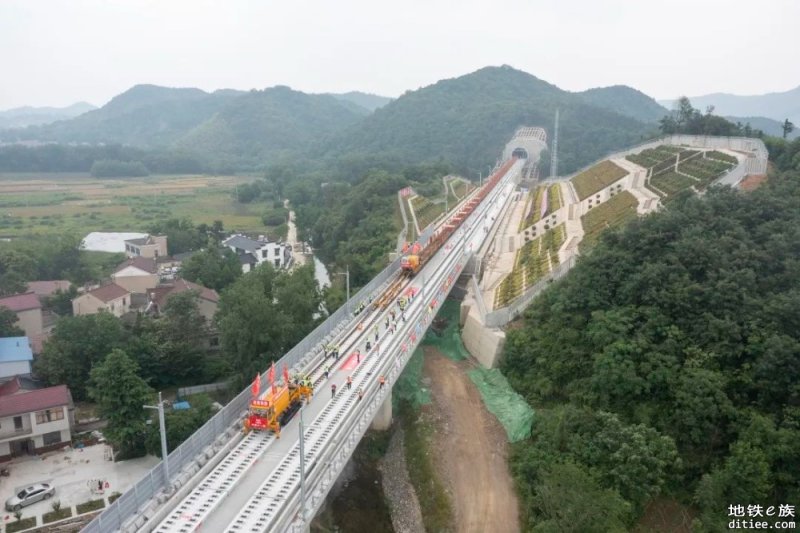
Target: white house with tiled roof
[(112, 298), (136, 274), (278, 254), (28, 309), (33, 421), (207, 299), (151, 246)]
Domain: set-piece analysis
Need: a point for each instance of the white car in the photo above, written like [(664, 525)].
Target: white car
[(30, 495)]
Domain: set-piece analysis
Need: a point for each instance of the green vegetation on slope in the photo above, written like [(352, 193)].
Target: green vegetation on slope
[(597, 178), (666, 362), (261, 125), (625, 101), (467, 121)]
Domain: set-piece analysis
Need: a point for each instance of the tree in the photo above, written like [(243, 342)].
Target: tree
[(788, 128), (60, 302), (77, 344), (120, 395), (8, 321), (263, 314), (182, 235), (570, 499), (182, 333), (15, 269), (179, 424), (214, 267)]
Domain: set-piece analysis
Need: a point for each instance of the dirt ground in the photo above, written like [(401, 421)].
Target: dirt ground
[(471, 450), (751, 183)]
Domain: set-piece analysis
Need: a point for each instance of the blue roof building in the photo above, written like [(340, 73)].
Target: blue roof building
[(15, 357)]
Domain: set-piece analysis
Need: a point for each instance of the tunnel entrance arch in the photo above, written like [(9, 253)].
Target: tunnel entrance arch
[(520, 153)]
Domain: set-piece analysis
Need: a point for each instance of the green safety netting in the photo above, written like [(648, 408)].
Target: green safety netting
[(448, 341), (409, 385), (510, 408)]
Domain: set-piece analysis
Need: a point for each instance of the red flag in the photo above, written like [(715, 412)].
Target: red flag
[(285, 374), (256, 385), (272, 376)]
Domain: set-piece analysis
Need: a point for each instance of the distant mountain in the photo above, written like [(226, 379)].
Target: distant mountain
[(21, 117), (777, 106), (767, 125), (365, 100), (144, 116), (467, 120), (275, 121), (626, 101)]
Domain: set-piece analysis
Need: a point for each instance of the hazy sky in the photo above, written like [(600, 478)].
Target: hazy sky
[(61, 51)]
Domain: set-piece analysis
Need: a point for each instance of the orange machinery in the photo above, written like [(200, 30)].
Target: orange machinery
[(273, 410)]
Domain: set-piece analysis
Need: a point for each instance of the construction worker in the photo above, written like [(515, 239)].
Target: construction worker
[(333, 390), (382, 381), (327, 371), (349, 382)]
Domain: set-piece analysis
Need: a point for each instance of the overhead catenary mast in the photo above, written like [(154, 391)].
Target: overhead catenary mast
[(554, 155)]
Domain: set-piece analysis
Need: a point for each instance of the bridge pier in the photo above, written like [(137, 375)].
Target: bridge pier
[(383, 418), (484, 343)]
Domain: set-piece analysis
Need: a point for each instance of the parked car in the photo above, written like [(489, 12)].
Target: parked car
[(32, 494)]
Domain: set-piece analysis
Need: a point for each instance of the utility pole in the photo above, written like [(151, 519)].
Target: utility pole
[(346, 273), (163, 431)]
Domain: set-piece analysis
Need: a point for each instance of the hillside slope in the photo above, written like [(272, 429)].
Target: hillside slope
[(777, 106), (144, 116), (625, 101), (368, 101), (467, 121), (275, 121), (21, 117)]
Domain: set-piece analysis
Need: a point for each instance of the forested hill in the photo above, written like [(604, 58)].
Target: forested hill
[(626, 101), (368, 101), (143, 116), (668, 362), (21, 117), (467, 120), (261, 125)]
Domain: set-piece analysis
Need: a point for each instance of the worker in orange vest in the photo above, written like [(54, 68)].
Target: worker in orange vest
[(382, 381)]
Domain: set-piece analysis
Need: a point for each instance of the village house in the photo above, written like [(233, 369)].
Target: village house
[(15, 357), (152, 246), (33, 421), (136, 274), (28, 309), (112, 298), (45, 289), (278, 254), (207, 299)]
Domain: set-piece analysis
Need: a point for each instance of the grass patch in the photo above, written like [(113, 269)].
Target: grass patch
[(19, 525), (114, 497), (48, 203), (437, 515), (597, 178), (61, 514), (612, 213), (91, 505)]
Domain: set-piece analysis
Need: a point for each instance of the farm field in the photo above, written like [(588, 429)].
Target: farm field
[(74, 203)]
